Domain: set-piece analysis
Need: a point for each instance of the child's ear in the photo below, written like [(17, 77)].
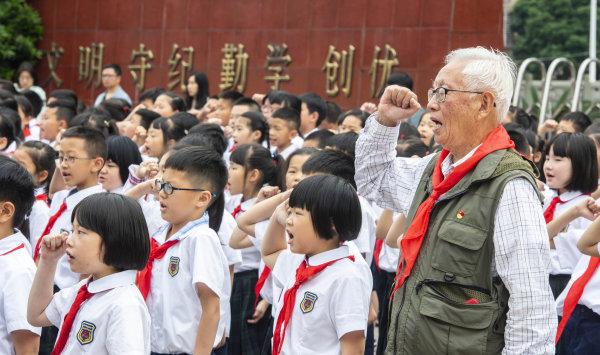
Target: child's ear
[(98, 164), (3, 142), (203, 199), (293, 133), (255, 135), (253, 175), (7, 211), (62, 124), (41, 176)]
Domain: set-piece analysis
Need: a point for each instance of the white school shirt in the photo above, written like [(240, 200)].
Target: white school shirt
[(389, 258), (251, 255), (295, 144), (115, 320), (16, 276), (366, 236), (34, 130), (269, 289), (173, 301), (38, 218), (566, 255), (591, 293), (10, 149), (64, 277), (334, 302), (228, 224)]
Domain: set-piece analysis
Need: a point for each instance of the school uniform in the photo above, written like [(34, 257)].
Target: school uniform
[(327, 306), (295, 144), (245, 338), (173, 301), (228, 224), (32, 130), (113, 320), (566, 254), (38, 218), (17, 271), (366, 236), (8, 151), (583, 326), (64, 277)]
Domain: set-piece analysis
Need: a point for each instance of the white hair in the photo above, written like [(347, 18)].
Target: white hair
[(487, 70)]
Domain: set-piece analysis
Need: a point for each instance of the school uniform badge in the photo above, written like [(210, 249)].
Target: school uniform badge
[(308, 302), (173, 266), (85, 335)]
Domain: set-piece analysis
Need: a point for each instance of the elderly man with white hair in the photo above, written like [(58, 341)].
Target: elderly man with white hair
[(473, 271)]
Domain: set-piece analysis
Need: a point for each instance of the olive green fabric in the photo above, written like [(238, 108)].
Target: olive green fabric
[(451, 304)]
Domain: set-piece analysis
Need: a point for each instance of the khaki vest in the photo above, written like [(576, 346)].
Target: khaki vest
[(428, 313)]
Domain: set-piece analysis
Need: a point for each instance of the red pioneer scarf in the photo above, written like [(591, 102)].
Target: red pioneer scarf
[(413, 238)]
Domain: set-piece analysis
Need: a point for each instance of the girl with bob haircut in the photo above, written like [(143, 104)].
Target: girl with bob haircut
[(327, 286), (104, 313), (122, 152), (571, 172)]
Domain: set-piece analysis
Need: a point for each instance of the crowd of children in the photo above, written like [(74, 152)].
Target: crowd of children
[(231, 225)]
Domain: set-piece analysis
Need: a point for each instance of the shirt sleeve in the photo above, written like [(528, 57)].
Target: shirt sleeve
[(61, 303), (381, 177), (228, 224), (128, 330), (566, 248), (522, 261), (349, 306), (15, 295), (207, 262)]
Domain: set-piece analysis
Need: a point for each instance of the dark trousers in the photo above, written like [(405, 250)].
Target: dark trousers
[(219, 351), (384, 287), (558, 283), (580, 336), (48, 336)]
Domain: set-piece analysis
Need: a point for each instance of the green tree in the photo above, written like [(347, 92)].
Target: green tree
[(550, 29), (20, 30)]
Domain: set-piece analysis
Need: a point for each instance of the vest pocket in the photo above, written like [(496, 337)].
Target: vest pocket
[(451, 327), (458, 248)]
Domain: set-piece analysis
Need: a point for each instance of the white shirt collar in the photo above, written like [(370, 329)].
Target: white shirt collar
[(448, 165), (329, 255), (12, 241), (161, 235), (569, 195), (74, 199), (111, 281)]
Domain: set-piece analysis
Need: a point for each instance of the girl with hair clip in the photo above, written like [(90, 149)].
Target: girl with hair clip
[(251, 127), (252, 226), (39, 159), (162, 135), (571, 173), (251, 166)]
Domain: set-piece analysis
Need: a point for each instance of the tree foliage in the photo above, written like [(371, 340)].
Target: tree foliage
[(550, 29), (20, 30)]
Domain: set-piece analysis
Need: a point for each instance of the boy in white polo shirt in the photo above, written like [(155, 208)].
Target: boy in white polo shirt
[(16, 266), (325, 305)]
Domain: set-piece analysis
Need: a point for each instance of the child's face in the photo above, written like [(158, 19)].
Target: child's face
[(22, 157), (76, 166), (182, 206), (155, 143), (128, 126), (85, 251), (236, 180), (293, 174), (162, 106), (558, 171), (280, 135), (425, 129), (302, 237), (50, 125), (242, 133), (351, 124), (224, 111), (109, 176)]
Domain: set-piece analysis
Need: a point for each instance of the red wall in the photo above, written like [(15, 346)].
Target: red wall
[(421, 31)]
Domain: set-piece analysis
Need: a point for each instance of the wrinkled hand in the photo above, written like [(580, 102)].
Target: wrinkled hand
[(397, 104), (368, 107)]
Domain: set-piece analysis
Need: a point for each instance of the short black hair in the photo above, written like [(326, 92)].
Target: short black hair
[(407, 130), (257, 122), (333, 112), (185, 120), (285, 99), (298, 152), (214, 133), (315, 103), (169, 128), (345, 142), (35, 100), (246, 101), (360, 114), (118, 109), (123, 152), (97, 118), (582, 152), (333, 205), (95, 143), (332, 162), (580, 120), (291, 116), (16, 187), (412, 146), (25, 105), (151, 94), (255, 156), (115, 67), (177, 103), (205, 168), (147, 116), (516, 134), (230, 95), (320, 136), (120, 222), (400, 78), (64, 110), (43, 157), (8, 115)]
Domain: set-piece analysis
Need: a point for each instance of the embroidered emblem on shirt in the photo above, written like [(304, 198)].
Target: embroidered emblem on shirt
[(85, 335), (460, 214), (308, 302), (173, 266)]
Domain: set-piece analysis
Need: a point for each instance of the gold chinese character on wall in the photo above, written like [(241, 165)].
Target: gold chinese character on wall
[(386, 64), (90, 63), (234, 66), (277, 61), (52, 56), (179, 68), (338, 71), (145, 56)]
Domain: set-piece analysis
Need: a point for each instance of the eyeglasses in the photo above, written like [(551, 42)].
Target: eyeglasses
[(69, 159), (440, 93), (160, 185)]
